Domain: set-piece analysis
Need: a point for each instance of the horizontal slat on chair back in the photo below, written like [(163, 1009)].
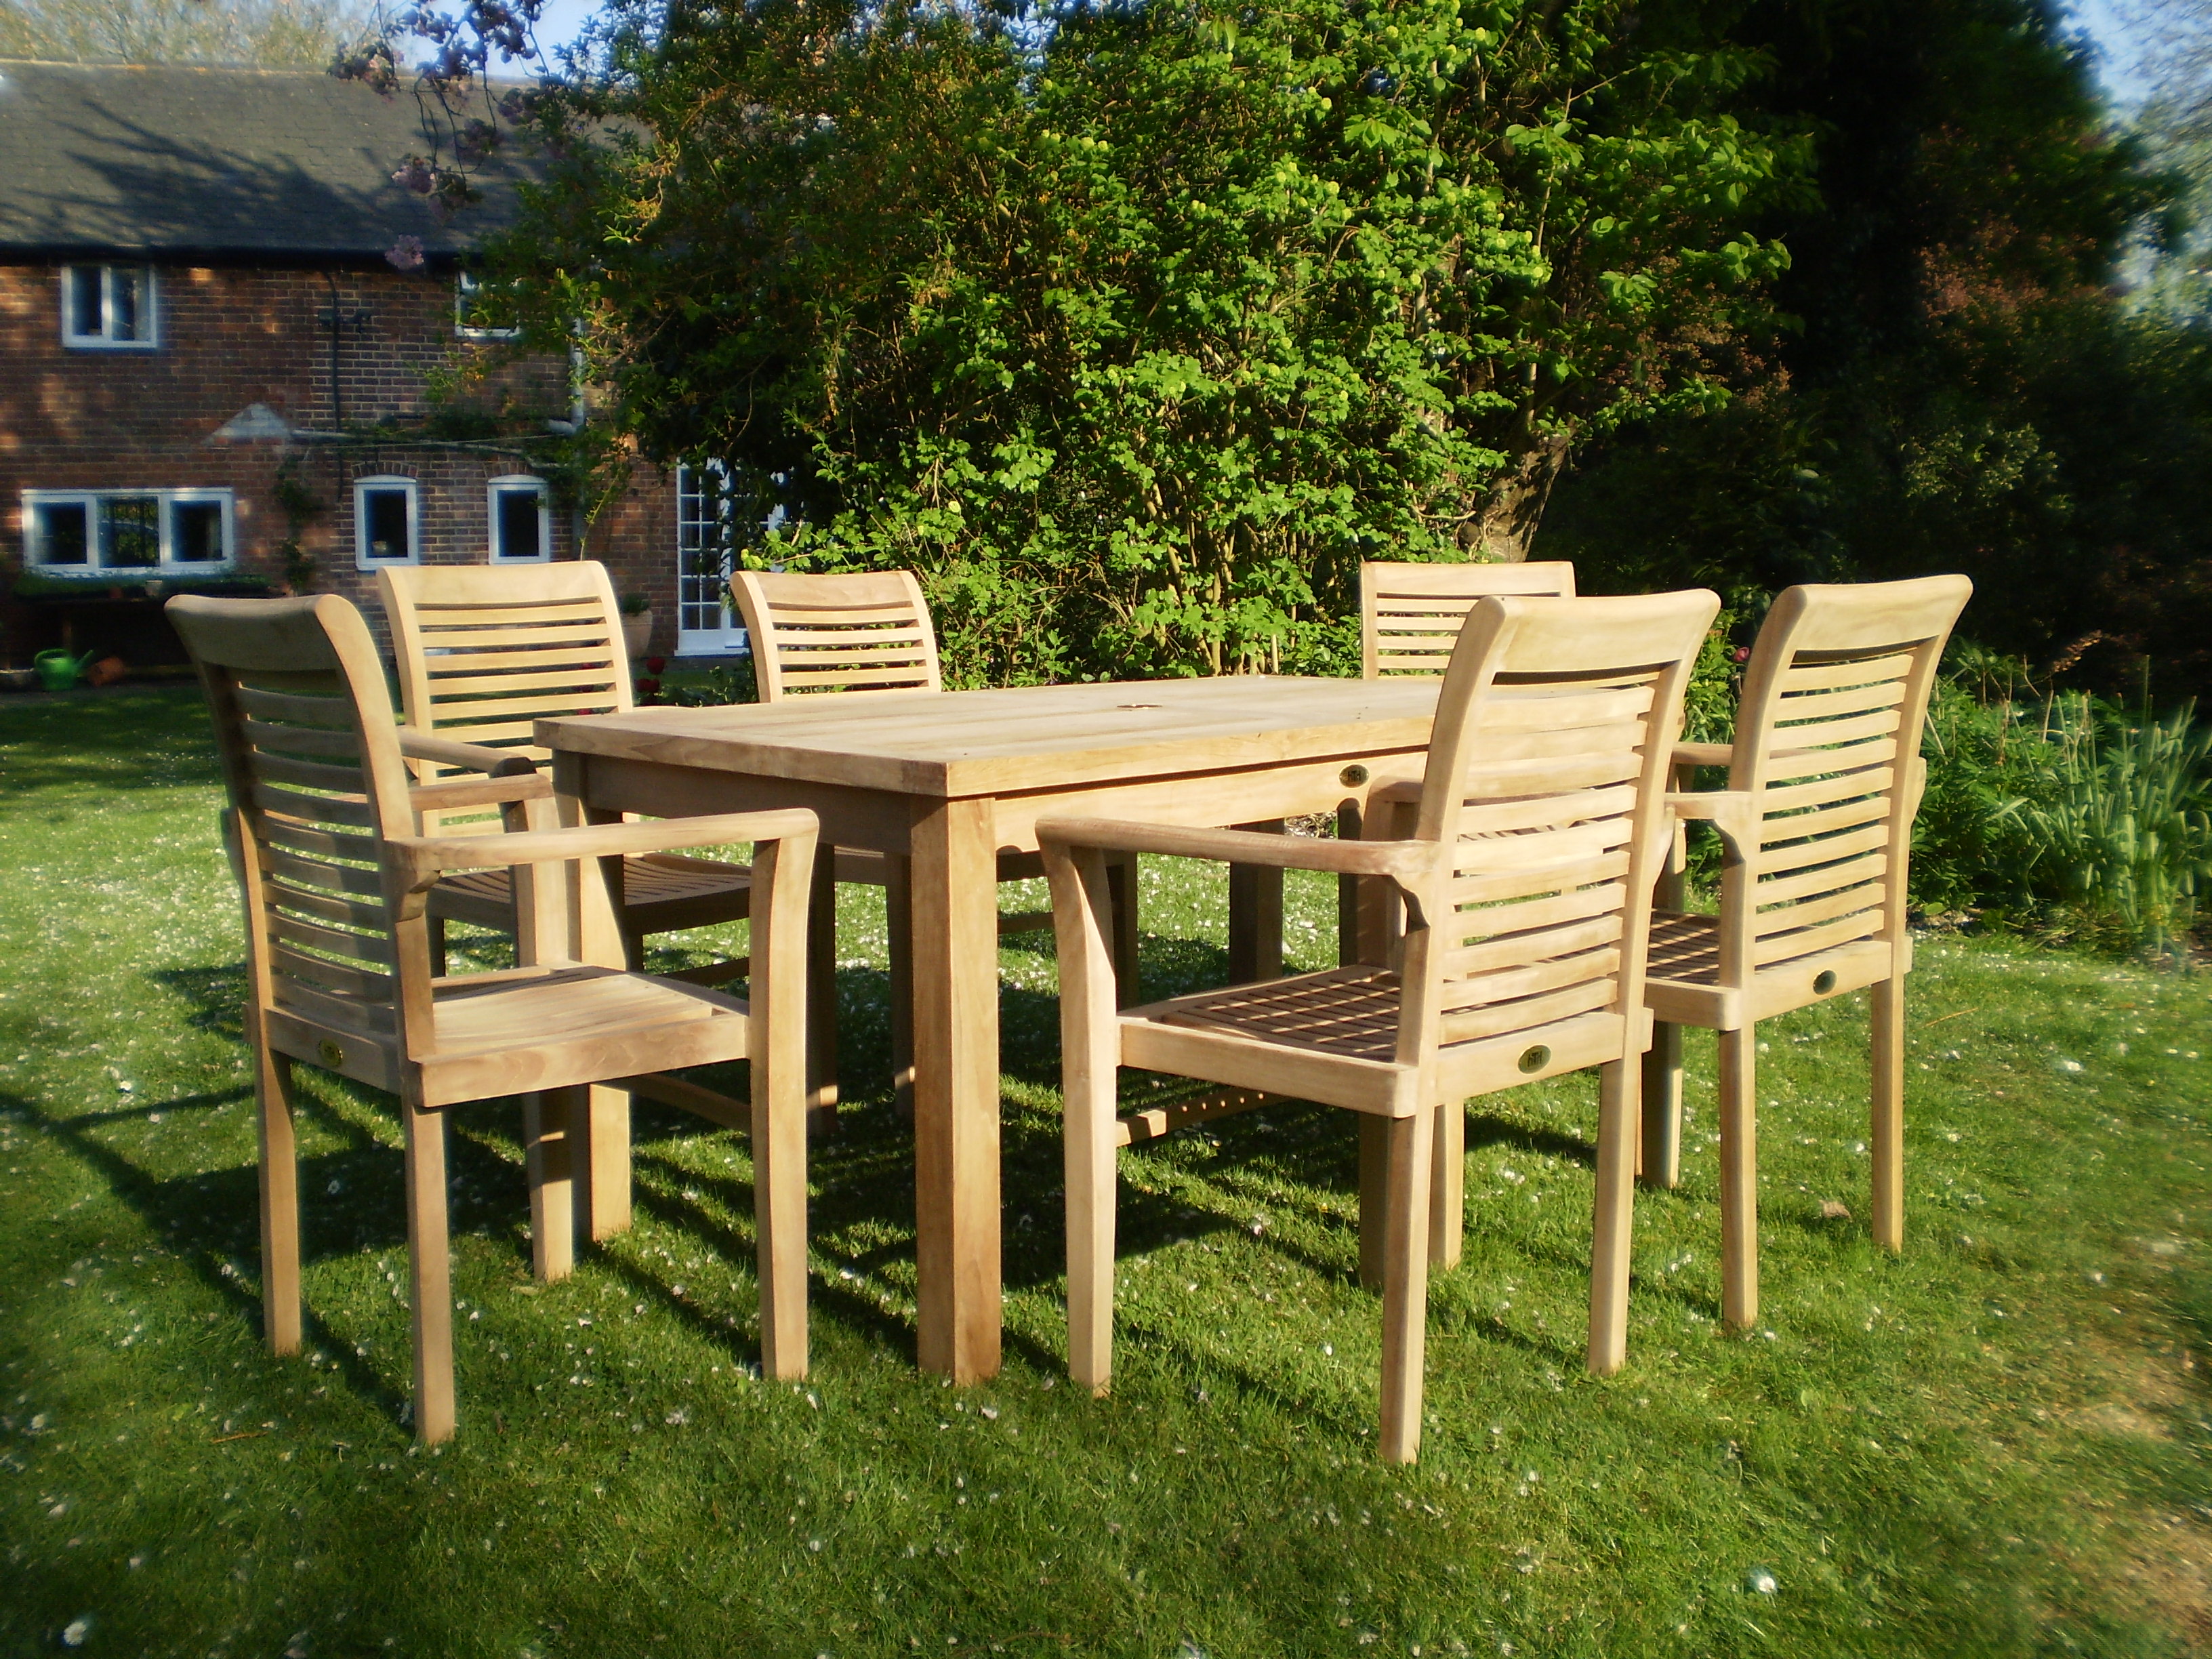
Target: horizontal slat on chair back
[(304, 787), (328, 933), (1826, 820), (1540, 882), (867, 631), (486, 653), (1410, 614), (1835, 704), (1549, 784)]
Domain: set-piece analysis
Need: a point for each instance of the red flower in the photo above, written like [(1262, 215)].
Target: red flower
[(655, 665)]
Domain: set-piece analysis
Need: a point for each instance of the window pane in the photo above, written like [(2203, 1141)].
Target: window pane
[(64, 535), (519, 524), (195, 532), (123, 284), (130, 531), (84, 300), (385, 511)]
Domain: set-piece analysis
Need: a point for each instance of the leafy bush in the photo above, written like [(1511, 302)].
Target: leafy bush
[(2066, 813)]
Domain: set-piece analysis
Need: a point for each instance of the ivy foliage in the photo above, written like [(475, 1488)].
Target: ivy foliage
[(1133, 329)]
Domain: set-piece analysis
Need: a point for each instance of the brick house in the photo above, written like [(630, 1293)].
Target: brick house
[(212, 378)]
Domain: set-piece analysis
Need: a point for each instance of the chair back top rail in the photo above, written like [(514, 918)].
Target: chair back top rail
[(1410, 614), (867, 631), (485, 652), (1826, 746), (1545, 779)]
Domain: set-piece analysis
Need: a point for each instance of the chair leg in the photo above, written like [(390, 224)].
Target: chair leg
[(1661, 1163), (1889, 1130), (546, 1118), (280, 1203), (1739, 1090), (437, 932), (1405, 1285), (1374, 1201), (1090, 1158), (1448, 1186), (822, 997), (1122, 882), (898, 915), (1347, 892), (1612, 1222), (599, 1160), (1255, 916), (432, 1284)]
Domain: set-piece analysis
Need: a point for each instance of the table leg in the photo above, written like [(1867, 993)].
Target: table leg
[(822, 997), (955, 959), (1255, 916), (599, 1126), (898, 919)]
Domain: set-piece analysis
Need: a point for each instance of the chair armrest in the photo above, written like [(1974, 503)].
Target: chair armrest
[(1703, 753), (1407, 863), (475, 756), (425, 858), (457, 792), (1734, 813)]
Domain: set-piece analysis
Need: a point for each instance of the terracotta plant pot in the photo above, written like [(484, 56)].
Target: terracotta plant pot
[(637, 632)]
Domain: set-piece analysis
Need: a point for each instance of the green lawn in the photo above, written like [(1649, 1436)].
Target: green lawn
[(1996, 1444)]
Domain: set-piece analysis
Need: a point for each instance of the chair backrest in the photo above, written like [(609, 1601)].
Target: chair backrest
[(1410, 614), (1827, 741), (1546, 775), (485, 652), (865, 631), (311, 760)]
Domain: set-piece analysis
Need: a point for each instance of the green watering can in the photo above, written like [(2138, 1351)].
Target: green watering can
[(58, 671)]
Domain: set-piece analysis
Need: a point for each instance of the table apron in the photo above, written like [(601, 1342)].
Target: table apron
[(871, 818), (882, 820), (1209, 799)]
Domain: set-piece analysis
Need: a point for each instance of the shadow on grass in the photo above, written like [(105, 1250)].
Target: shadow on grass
[(84, 742)]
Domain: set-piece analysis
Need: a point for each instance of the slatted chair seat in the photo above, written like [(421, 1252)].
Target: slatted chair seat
[(336, 883), (1525, 860), (1686, 949), (1352, 1012), (1824, 780)]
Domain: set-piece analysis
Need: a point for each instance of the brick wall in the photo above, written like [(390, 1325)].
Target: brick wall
[(232, 337)]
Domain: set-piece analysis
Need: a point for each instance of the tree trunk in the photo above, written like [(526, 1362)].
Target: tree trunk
[(1506, 527)]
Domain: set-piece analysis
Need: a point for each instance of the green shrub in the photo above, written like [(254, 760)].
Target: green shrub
[(2066, 814), (2120, 843)]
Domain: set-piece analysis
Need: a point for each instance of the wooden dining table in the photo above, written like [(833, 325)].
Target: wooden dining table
[(939, 784)]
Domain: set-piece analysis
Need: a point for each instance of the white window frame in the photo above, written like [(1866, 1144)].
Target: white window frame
[(362, 558), (467, 286), (167, 564), (149, 309), (704, 521), (517, 483)]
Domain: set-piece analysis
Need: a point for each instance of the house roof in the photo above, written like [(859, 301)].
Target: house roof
[(180, 160)]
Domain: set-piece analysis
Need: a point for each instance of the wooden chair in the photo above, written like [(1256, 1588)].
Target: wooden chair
[(1824, 778), (1409, 619), (1410, 614), (869, 633), (1524, 858), (336, 886), (483, 653)]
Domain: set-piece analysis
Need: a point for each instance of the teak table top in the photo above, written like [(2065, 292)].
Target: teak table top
[(955, 744)]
